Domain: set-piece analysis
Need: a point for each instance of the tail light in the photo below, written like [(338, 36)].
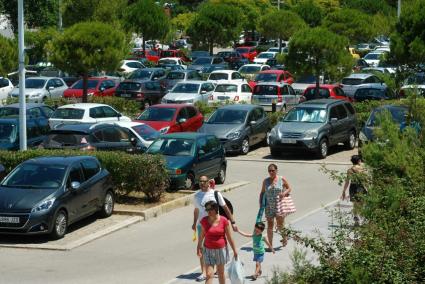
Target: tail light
[(279, 98), (88, 148), (236, 98)]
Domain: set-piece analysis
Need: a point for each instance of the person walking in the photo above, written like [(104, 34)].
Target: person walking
[(356, 189), (216, 231), (205, 194), (275, 188)]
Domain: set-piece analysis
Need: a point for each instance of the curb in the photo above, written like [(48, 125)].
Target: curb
[(175, 204), (289, 161)]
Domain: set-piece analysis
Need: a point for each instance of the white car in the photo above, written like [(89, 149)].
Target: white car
[(373, 58), (85, 113), (231, 91), (250, 70), (142, 131), (5, 88), (189, 92), (167, 61), (38, 89), (227, 75), (264, 56), (128, 66), (414, 84)]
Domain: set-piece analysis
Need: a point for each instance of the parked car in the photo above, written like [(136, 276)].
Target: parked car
[(169, 118), (373, 58), (365, 47), (91, 137), (144, 92), (198, 53), (38, 89), (373, 93), (96, 86), (225, 75), (315, 126), (33, 111), (325, 92), (45, 195), (238, 127), (264, 94), (84, 113), (190, 156), (174, 53), (144, 133), (360, 65), (150, 55), (207, 64), (189, 92), (128, 66), (6, 88), (263, 57), (250, 70), (359, 80), (148, 74), (375, 70), (415, 84), (303, 82), (169, 62), (52, 71), (272, 76), (237, 92), (249, 52), (229, 56), (174, 77)]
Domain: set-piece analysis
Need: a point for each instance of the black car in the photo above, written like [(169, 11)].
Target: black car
[(180, 75), (208, 64), (147, 74), (238, 127), (88, 137), (198, 53), (45, 195), (373, 93), (150, 92)]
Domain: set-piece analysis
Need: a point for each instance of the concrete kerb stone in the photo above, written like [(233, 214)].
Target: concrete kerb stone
[(174, 204), (264, 160)]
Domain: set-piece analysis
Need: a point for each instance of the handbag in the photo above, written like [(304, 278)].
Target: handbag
[(262, 208), (285, 205)]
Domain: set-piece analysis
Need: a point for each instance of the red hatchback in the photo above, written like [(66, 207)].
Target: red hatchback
[(325, 91), (247, 52), (272, 76), (150, 55), (95, 87), (169, 118), (174, 53)]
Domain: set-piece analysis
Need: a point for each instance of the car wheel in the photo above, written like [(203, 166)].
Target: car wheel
[(245, 146), (108, 205), (190, 181), (60, 225), (221, 175), (351, 142), (323, 148)]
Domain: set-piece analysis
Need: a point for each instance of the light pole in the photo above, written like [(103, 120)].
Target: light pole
[(279, 40), (398, 8), (22, 103), (60, 15)]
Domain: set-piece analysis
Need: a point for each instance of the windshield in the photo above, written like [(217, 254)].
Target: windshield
[(175, 76), (146, 132), (224, 53), (91, 84), (366, 92), (131, 86), (242, 50), (185, 88), (202, 60), (266, 77), (249, 69), (265, 90), (310, 93), (172, 147), (140, 74), (228, 116), (418, 79), (9, 111), (8, 133), (226, 88), (40, 176), (218, 76), (265, 55), (306, 115), (372, 56), (157, 114), (34, 83), (68, 113), (397, 114), (352, 81), (66, 138), (306, 80), (200, 53), (167, 61)]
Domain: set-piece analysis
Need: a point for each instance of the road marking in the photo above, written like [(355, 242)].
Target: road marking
[(290, 161)]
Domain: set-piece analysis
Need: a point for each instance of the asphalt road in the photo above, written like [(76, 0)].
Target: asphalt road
[(161, 249)]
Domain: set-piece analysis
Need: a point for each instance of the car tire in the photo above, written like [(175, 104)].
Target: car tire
[(60, 225), (190, 181), (275, 152), (322, 151), (108, 205), (245, 146), (350, 144), (221, 178)]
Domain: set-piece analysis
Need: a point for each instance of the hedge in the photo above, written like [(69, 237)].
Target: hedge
[(130, 173)]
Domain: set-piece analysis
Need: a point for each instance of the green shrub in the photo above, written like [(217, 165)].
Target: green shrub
[(130, 173), (275, 117), (363, 109)]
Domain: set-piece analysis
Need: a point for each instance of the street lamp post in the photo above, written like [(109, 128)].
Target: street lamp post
[(22, 103), (398, 8)]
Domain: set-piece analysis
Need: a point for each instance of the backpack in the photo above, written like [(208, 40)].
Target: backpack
[(220, 209)]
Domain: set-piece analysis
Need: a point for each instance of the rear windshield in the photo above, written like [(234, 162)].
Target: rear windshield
[(310, 93), (265, 90), (146, 132), (218, 76), (352, 81), (61, 139), (167, 61), (9, 111), (68, 113), (175, 76), (91, 84), (8, 133), (226, 88), (131, 86), (249, 69), (266, 77)]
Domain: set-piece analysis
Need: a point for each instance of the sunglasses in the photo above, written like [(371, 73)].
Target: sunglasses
[(202, 181), (272, 171)]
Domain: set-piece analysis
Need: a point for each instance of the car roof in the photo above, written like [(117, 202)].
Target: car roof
[(82, 105), (59, 160), (359, 75), (240, 107), (152, 69), (273, 71), (127, 123), (390, 107), (176, 106), (320, 103), (172, 58), (186, 135), (323, 86), (192, 82), (80, 127), (272, 84), (43, 78), (253, 64), (227, 82), (28, 105), (224, 71)]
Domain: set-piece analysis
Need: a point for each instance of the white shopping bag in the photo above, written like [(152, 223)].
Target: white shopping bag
[(236, 272)]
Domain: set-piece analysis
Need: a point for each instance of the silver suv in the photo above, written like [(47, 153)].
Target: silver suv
[(315, 126), (356, 81)]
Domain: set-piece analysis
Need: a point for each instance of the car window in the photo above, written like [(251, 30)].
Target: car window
[(69, 113), (33, 131), (191, 112), (109, 112), (35, 112), (50, 83), (246, 88), (291, 91), (217, 60), (124, 134), (284, 90), (236, 76), (213, 144), (58, 83), (342, 113), (111, 134), (350, 108), (4, 83), (48, 111), (75, 175), (202, 145), (339, 92), (182, 114), (333, 113), (90, 168), (257, 114), (109, 84), (96, 112)]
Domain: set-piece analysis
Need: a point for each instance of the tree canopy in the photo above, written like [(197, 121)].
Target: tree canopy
[(37, 42), (311, 12), (8, 56)]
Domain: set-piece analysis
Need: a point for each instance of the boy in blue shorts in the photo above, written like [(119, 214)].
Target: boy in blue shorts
[(258, 242)]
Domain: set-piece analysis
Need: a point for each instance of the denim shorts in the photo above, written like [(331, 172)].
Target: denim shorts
[(259, 257)]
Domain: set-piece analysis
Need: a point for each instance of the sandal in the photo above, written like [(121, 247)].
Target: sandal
[(254, 277)]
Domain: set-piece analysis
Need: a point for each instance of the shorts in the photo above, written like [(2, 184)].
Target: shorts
[(215, 256), (259, 257)]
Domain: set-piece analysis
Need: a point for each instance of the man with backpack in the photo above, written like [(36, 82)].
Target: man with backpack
[(205, 194)]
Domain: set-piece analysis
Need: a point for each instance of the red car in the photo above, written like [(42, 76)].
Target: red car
[(272, 76), (169, 118), (174, 53), (247, 52), (326, 91), (150, 55), (95, 87)]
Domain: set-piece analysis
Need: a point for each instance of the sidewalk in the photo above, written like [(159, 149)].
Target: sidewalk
[(310, 225)]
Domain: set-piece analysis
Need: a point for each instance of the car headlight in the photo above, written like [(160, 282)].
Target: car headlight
[(44, 205), (164, 130), (312, 134), (363, 137), (233, 135), (274, 133)]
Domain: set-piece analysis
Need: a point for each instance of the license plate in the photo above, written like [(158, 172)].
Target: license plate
[(126, 95), (14, 220), (289, 141), (264, 100), (223, 98)]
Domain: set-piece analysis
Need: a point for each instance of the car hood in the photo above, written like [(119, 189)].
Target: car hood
[(180, 96), (178, 162), (298, 126), (156, 124), (77, 92), (220, 130), (21, 199)]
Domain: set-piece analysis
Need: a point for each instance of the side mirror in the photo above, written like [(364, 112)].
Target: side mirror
[(119, 114), (154, 78), (203, 92), (201, 153), (334, 119), (51, 88), (102, 89), (181, 120), (133, 141), (253, 122), (75, 185)]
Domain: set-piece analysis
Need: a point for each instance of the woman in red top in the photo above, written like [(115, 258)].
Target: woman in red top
[(216, 231)]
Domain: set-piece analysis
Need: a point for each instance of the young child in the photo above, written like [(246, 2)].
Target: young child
[(258, 242)]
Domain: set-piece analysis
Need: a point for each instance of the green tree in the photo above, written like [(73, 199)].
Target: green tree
[(147, 19), (182, 21), (369, 7), (318, 51), (280, 24), (8, 56), (37, 42), (216, 23), (86, 47), (311, 12)]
